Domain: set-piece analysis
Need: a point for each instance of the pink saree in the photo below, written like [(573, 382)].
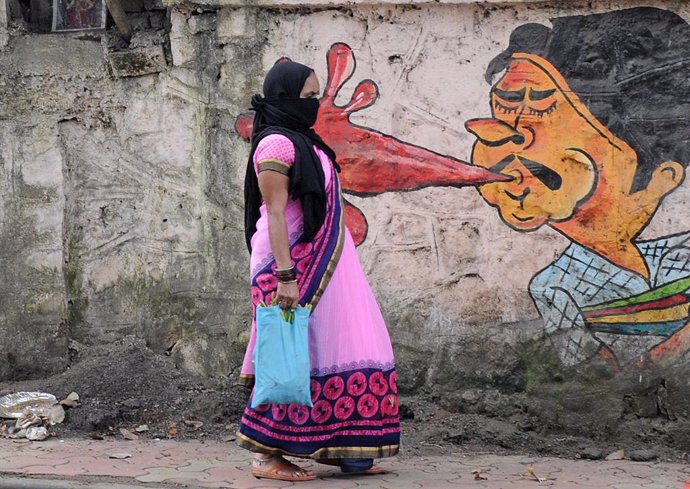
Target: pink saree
[(353, 378)]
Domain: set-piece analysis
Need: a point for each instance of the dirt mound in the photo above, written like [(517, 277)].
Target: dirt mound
[(126, 384), (429, 429)]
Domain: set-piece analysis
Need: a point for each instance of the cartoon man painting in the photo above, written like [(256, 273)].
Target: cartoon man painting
[(591, 118)]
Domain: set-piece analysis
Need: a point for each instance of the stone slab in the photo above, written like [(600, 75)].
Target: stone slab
[(138, 62), (53, 54)]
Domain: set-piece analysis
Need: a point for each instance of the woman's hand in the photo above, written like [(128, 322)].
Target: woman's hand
[(287, 295)]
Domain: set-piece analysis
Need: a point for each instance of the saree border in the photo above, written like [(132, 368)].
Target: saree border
[(329, 452), (337, 252)]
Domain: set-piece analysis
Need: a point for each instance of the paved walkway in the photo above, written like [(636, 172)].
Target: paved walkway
[(56, 464)]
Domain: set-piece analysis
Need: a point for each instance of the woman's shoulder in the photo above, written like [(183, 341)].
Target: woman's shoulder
[(275, 147)]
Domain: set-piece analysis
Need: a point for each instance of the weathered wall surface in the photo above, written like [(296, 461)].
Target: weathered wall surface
[(122, 202), (117, 217), (3, 24)]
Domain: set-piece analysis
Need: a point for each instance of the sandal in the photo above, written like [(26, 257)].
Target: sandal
[(374, 470), (277, 468)]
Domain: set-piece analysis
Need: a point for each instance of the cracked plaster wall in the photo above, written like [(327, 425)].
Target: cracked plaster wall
[(122, 195), (116, 216)]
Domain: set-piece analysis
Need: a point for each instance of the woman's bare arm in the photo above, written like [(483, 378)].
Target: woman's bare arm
[(274, 190)]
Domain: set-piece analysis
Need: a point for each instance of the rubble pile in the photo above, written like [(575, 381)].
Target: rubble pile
[(30, 414)]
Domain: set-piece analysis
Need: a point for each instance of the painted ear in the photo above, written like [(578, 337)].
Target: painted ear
[(364, 96), (341, 66), (666, 178)]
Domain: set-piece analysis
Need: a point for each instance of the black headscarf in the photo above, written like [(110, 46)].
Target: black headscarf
[(282, 111)]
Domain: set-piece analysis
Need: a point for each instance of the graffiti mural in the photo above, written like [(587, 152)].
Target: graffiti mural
[(589, 117), (588, 134), (372, 162)]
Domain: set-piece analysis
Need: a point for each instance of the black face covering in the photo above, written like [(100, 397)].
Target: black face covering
[(301, 111), (282, 111)]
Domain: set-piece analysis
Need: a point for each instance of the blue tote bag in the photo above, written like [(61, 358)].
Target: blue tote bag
[(281, 357)]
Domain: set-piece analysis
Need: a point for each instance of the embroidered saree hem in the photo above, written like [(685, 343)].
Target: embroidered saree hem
[(330, 452)]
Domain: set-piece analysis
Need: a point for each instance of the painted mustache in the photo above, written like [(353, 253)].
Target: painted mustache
[(541, 172)]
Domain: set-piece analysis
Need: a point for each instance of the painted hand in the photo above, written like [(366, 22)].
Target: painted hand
[(372, 162)]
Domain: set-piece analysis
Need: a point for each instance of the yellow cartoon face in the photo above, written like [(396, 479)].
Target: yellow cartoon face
[(557, 152)]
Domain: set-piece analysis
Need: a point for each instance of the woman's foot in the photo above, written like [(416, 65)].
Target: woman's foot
[(277, 468), (372, 470)]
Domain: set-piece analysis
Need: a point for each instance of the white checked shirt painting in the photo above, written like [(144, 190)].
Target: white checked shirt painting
[(581, 278)]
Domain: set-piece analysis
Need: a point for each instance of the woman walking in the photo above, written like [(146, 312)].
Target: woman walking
[(301, 254)]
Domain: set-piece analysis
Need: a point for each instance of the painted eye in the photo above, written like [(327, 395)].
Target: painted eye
[(504, 108), (541, 113)]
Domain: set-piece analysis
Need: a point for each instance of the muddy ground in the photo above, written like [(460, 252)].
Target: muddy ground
[(126, 385)]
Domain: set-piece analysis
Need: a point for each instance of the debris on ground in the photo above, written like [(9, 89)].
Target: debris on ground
[(128, 435), (125, 384), (120, 456), (479, 475), (17, 404), (532, 475), (33, 412), (37, 433), (26, 420), (617, 455), (591, 453), (642, 455), (71, 401), (193, 423)]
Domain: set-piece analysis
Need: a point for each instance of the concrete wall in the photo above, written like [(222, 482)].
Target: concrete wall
[(122, 203), (3, 23), (116, 218)]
